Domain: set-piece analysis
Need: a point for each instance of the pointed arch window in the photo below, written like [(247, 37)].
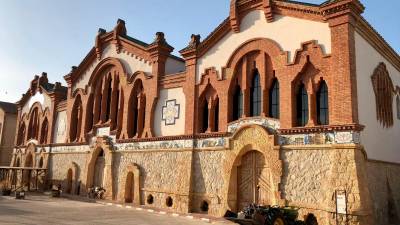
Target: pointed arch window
[(237, 103), (21, 134), (33, 125), (137, 110), (205, 117), (44, 131), (76, 119), (108, 100), (274, 99), (255, 95), (302, 106), (322, 104), (216, 115)]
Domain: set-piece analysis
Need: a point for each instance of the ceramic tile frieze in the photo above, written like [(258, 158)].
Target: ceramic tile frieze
[(271, 124), (346, 137)]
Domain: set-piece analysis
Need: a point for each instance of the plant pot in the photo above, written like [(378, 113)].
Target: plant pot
[(6, 192)]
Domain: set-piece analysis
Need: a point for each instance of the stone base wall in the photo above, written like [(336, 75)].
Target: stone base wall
[(201, 180), (384, 186), (60, 163)]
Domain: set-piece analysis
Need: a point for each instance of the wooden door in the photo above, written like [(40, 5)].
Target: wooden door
[(253, 180)]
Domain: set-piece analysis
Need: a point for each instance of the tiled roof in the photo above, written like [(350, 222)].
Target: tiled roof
[(8, 107)]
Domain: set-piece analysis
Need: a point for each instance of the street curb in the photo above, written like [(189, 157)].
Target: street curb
[(174, 214)]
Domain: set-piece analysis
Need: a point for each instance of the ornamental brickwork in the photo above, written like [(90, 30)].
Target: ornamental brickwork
[(103, 128)]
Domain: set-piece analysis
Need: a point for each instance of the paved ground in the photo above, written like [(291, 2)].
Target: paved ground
[(43, 210)]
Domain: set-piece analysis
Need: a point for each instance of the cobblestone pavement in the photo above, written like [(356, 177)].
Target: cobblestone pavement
[(43, 210)]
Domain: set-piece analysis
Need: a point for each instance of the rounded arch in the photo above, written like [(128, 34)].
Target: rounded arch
[(271, 47), (101, 144), (248, 139), (130, 184), (72, 178), (104, 65)]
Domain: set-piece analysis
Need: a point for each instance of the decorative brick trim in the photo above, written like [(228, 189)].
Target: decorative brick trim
[(173, 80)]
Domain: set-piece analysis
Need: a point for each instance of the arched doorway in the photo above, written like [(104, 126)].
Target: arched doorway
[(255, 169), (129, 188), (27, 173), (69, 181), (99, 166), (253, 180)]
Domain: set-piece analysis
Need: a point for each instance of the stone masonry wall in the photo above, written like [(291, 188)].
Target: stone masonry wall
[(59, 164), (313, 173), (208, 180), (384, 185), (163, 174)]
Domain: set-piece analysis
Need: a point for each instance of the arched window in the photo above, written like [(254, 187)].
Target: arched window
[(44, 131), (255, 95), (116, 105), (205, 117), (137, 110), (274, 99), (216, 115), (21, 134), (33, 125), (108, 101), (302, 106), (89, 115), (322, 104), (237, 110), (76, 119)]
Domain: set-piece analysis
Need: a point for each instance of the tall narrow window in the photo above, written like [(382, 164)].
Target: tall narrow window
[(322, 104), (398, 106), (274, 99), (237, 103), (216, 115), (255, 95), (21, 135), (136, 110), (135, 116), (108, 103), (76, 119), (302, 106), (44, 131), (205, 116)]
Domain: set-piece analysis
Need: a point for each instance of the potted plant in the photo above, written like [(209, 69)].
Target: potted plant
[(5, 190)]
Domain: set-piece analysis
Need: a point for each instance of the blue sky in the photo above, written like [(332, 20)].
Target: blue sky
[(52, 36)]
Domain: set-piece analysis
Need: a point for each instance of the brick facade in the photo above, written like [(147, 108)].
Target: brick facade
[(202, 164)]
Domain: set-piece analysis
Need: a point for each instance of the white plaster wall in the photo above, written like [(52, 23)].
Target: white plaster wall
[(380, 143), (174, 66), (160, 129), (60, 129), (131, 62), (43, 99), (288, 32)]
